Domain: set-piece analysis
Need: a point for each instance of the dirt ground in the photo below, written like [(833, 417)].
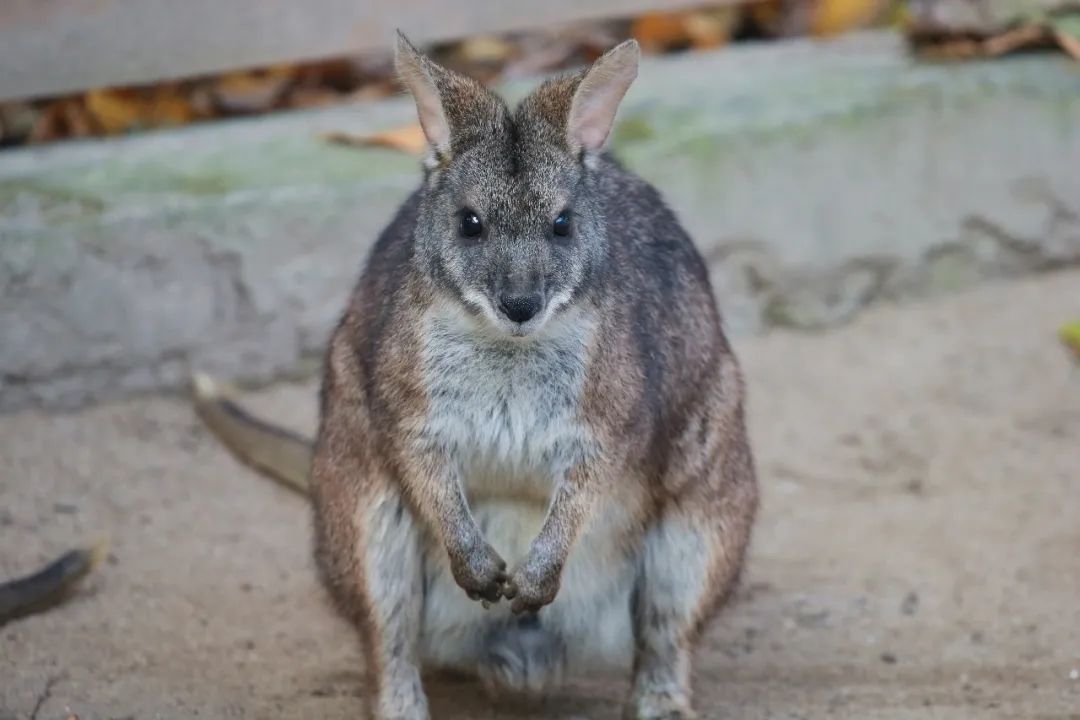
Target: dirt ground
[(918, 553)]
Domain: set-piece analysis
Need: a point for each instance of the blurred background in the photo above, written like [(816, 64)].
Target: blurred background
[(887, 193)]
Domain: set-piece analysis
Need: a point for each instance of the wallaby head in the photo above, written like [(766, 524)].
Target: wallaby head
[(509, 223)]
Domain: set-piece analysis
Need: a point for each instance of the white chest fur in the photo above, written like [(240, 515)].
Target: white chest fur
[(507, 410)]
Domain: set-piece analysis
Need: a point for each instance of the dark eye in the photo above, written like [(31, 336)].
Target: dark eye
[(471, 227), (561, 226)]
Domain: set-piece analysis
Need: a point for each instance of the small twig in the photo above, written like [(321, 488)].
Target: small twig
[(1024, 36), (45, 695), (1068, 43)]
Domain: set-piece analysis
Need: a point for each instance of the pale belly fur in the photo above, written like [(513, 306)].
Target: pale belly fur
[(510, 415), (590, 616)]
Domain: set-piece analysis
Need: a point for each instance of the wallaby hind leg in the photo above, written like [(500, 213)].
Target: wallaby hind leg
[(690, 563), (370, 552)]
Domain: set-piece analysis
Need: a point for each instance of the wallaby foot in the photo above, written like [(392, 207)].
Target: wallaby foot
[(658, 703), (522, 656), (399, 694), (691, 561)]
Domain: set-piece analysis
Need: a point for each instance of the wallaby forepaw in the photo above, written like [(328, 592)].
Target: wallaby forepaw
[(481, 573), (531, 588)]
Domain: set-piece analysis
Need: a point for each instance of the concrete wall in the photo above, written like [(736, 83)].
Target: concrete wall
[(816, 178)]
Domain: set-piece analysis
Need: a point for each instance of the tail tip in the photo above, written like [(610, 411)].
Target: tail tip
[(204, 387), (99, 551)]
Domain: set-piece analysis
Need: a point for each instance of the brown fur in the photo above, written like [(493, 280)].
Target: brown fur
[(666, 466)]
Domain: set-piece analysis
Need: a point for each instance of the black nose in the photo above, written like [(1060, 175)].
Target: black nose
[(519, 308)]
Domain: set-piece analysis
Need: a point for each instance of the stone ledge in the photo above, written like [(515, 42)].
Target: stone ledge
[(816, 178)]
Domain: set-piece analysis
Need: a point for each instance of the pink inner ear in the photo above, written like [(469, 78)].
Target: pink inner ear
[(592, 126), (592, 112), (593, 139), (410, 67), (432, 120)]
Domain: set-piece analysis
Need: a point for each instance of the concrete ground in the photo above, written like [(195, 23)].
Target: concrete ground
[(917, 554)]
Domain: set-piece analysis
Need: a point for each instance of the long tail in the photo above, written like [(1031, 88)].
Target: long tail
[(282, 455)]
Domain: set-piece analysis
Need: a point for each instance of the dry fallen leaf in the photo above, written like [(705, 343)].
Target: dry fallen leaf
[(485, 49), (115, 110), (65, 118), (658, 31), (118, 110), (832, 17), (711, 28), (308, 97), (246, 92), (408, 138)]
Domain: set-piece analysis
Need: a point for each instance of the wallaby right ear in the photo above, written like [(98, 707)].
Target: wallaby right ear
[(597, 98), (453, 109), (416, 72)]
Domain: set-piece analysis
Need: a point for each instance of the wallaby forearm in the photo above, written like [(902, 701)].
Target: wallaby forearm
[(535, 582), (435, 487)]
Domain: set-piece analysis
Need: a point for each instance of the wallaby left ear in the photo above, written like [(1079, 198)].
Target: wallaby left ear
[(416, 73), (597, 98)]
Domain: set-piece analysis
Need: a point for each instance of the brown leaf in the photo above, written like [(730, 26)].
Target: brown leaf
[(248, 92), (118, 110), (709, 29), (408, 138), (115, 110), (308, 97), (766, 14), (374, 91), (64, 118), (658, 31)]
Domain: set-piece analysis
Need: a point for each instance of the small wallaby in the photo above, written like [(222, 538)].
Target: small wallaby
[(531, 369)]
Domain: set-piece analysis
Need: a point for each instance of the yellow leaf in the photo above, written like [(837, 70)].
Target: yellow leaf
[(832, 17), (114, 110), (408, 138), (711, 29), (119, 110), (486, 49), (168, 106)]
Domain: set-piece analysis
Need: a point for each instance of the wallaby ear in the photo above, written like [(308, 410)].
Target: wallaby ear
[(454, 110), (597, 98), (415, 72)]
